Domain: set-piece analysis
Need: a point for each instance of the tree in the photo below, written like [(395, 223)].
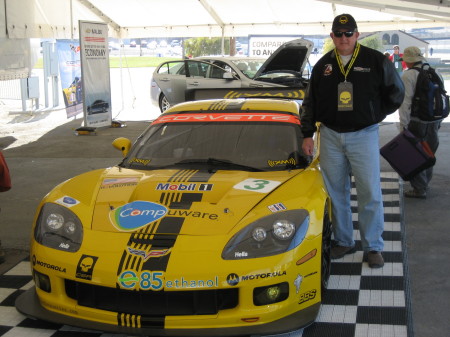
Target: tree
[(206, 46), (372, 41)]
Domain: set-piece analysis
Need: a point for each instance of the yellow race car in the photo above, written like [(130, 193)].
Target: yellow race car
[(214, 224)]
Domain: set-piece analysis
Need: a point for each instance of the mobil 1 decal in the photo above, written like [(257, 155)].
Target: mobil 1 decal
[(154, 235)]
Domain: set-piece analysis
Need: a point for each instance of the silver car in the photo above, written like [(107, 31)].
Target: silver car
[(178, 81)]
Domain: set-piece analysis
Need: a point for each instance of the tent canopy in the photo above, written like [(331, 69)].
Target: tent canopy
[(190, 18)]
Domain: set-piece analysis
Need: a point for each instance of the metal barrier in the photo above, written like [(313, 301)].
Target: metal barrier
[(10, 89)]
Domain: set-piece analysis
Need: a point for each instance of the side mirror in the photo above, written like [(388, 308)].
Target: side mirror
[(228, 76), (122, 144)]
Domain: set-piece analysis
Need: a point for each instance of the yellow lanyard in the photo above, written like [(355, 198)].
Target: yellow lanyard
[(339, 61)]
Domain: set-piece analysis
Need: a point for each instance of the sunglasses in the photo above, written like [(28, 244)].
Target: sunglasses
[(347, 34)]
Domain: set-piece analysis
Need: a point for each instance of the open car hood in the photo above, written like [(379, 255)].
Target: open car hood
[(292, 56)]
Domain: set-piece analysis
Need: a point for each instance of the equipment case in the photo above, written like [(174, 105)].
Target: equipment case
[(408, 155)]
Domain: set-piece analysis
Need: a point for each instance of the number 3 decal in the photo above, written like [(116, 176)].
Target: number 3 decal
[(257, 185)]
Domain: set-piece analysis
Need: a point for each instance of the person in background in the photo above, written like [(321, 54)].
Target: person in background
[(387, 54), (423, 130), (399, 65), (352, 88)]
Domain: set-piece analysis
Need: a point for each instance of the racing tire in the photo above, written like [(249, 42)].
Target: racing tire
[(163, 103), (326, 249)]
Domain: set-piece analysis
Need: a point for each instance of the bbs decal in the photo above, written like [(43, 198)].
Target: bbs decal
[(307, 296)]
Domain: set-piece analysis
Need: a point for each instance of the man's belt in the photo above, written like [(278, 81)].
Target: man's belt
[(343, 129)]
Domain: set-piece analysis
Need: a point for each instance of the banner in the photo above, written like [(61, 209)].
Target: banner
[(70, 73), (95, 73), (264, 45)]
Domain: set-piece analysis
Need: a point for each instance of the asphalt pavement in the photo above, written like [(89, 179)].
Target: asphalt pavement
[(42, 150)]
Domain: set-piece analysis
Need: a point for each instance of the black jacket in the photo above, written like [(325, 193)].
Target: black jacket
[(377, 91)]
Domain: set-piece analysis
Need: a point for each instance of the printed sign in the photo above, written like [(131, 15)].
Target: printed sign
[(95, 73)]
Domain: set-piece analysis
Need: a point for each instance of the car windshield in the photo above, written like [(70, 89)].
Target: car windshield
[(248, 67), (248, 146)]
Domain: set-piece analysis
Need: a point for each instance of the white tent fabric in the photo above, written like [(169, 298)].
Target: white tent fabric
[(189, 18)]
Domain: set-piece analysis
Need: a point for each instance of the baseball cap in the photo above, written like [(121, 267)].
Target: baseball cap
[(412, 55), (344, 21)]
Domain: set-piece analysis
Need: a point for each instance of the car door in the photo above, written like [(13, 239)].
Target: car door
[(206, 75), (171, 79)]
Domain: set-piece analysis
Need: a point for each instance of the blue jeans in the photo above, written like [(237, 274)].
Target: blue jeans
[(357, 153)]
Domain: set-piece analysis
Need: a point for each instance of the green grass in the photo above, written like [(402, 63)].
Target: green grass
[(127, 62)]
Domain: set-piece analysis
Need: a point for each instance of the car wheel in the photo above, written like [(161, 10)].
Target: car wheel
[(326, 249), (163, 103)]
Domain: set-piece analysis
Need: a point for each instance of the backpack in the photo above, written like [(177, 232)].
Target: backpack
[(430, 101)]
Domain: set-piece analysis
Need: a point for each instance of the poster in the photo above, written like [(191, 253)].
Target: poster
[(95, 73), (70, 73)]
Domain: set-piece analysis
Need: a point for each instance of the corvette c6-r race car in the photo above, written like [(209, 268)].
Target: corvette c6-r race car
[(214, 224)]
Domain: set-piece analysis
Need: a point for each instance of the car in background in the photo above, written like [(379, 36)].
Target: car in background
[(152, 45), (172, 81), (133, 44), (99, 106), (214, 224)]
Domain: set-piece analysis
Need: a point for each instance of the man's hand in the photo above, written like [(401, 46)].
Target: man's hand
[(308, 146)]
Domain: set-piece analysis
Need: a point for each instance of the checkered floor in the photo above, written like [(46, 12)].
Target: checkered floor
[(359, 301)]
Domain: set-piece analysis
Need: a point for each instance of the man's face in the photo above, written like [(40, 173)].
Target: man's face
[(396, 50), (344, 40)]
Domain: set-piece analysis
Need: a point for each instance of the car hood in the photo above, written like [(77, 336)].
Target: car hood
[(292, 55), (185, 201)]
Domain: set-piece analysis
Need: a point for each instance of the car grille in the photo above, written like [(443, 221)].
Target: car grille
[(152, 303)]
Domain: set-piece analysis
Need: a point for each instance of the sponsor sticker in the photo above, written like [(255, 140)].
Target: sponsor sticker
[(67, 201), (183, 187), (307, 296), (119, 182), (136, 214), (277, 207), (85, 267), (155, 280)]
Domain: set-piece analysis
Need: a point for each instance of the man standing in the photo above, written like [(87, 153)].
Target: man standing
[(351, 90), (396, 58), (424, 130)]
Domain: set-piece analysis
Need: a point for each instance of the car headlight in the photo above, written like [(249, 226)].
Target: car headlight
[(274, 234), (59, 228)]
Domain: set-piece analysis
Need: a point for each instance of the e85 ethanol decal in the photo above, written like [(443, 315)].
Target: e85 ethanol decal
[(154, 280)]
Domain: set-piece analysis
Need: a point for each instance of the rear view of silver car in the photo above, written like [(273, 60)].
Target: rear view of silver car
[(174, 82)]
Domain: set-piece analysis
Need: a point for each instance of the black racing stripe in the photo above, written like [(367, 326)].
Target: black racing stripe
[(226, 105), (152, 322), (145, 240), (201, 177), (181, 176), (186, 201), (171, 225)]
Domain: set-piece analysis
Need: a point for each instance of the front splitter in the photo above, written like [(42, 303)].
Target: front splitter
[(29, 305)]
